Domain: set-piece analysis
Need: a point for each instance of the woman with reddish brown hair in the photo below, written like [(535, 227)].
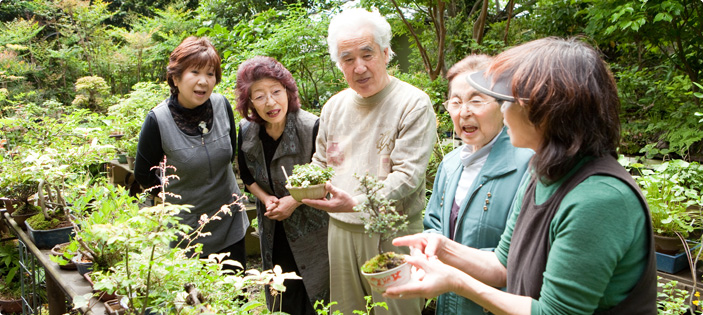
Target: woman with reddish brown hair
[(194, 129), (579, 240), (274, 134)]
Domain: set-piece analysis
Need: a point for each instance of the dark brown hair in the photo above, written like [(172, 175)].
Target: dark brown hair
[(569, 94), (195, 52), (258, 68)]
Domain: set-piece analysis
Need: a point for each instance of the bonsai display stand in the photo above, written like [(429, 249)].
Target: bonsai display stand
[(62, 286)]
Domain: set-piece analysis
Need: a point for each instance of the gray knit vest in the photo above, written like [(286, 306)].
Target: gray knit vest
[(205, 176)]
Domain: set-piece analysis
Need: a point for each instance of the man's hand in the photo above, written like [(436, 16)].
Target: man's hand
[(340, 201)]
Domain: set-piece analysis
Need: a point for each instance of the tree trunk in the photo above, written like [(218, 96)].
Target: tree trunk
[(480, 24)]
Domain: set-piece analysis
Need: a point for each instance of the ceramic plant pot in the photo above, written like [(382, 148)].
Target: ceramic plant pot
[(82, 266), (381, 281), (122, 158), (50, 238), (130, 162), (669, 245), (311, 192), (21, 218)]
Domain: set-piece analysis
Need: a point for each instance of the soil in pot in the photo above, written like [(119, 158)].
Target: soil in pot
[(386, 270), (383, 262)]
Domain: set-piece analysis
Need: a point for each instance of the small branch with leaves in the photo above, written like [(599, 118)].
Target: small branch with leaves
[(380, 215)]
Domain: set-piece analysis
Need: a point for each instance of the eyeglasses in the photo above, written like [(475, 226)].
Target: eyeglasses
[(260, 98), (456, 103)]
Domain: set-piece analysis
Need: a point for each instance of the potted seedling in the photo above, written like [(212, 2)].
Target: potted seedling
[(62, 254), (674, 206), (386, 269), (308, 181)]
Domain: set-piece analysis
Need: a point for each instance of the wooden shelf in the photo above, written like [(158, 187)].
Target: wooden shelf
[(61, 285)]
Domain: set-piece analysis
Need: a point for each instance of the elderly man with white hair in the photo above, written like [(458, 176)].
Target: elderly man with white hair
[(379, 125)]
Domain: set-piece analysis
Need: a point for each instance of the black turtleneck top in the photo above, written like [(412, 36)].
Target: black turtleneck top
[(149, 150)]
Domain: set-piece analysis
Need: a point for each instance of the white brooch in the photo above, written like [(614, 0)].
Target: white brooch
[(203, 126)]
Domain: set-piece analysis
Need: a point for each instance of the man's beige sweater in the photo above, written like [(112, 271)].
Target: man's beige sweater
[(389, 135)]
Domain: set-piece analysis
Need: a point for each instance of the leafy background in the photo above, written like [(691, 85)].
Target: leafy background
[(46, 46)]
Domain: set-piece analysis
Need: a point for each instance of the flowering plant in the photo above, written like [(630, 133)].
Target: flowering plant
[(305, 175)]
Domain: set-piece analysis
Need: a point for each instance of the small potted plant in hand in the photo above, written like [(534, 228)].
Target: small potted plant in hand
[(308, 181), (386, 269)]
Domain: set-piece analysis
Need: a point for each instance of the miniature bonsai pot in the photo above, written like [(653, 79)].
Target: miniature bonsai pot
[(308, 181), (386, 270), (669, 245), (58, 250), (82, 266), (311, 192), (10, 204), (102, 295), (114, 307), (20, 218), (49, 238)]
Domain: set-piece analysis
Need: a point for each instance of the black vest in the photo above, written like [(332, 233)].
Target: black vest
[(529, 248)]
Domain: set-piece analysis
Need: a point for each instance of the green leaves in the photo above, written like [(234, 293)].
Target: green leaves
[(380, 215), (305, 175), (672, 192)]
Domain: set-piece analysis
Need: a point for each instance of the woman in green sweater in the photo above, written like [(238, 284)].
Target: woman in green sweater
[(579, 240)]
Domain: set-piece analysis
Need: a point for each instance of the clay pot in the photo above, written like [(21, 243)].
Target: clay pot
[(11, 306), (102, 296)]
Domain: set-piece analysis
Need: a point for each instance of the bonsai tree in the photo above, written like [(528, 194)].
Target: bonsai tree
[(100, 208), (152, 274), (380, 217), (45, 168), (18, 186)]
